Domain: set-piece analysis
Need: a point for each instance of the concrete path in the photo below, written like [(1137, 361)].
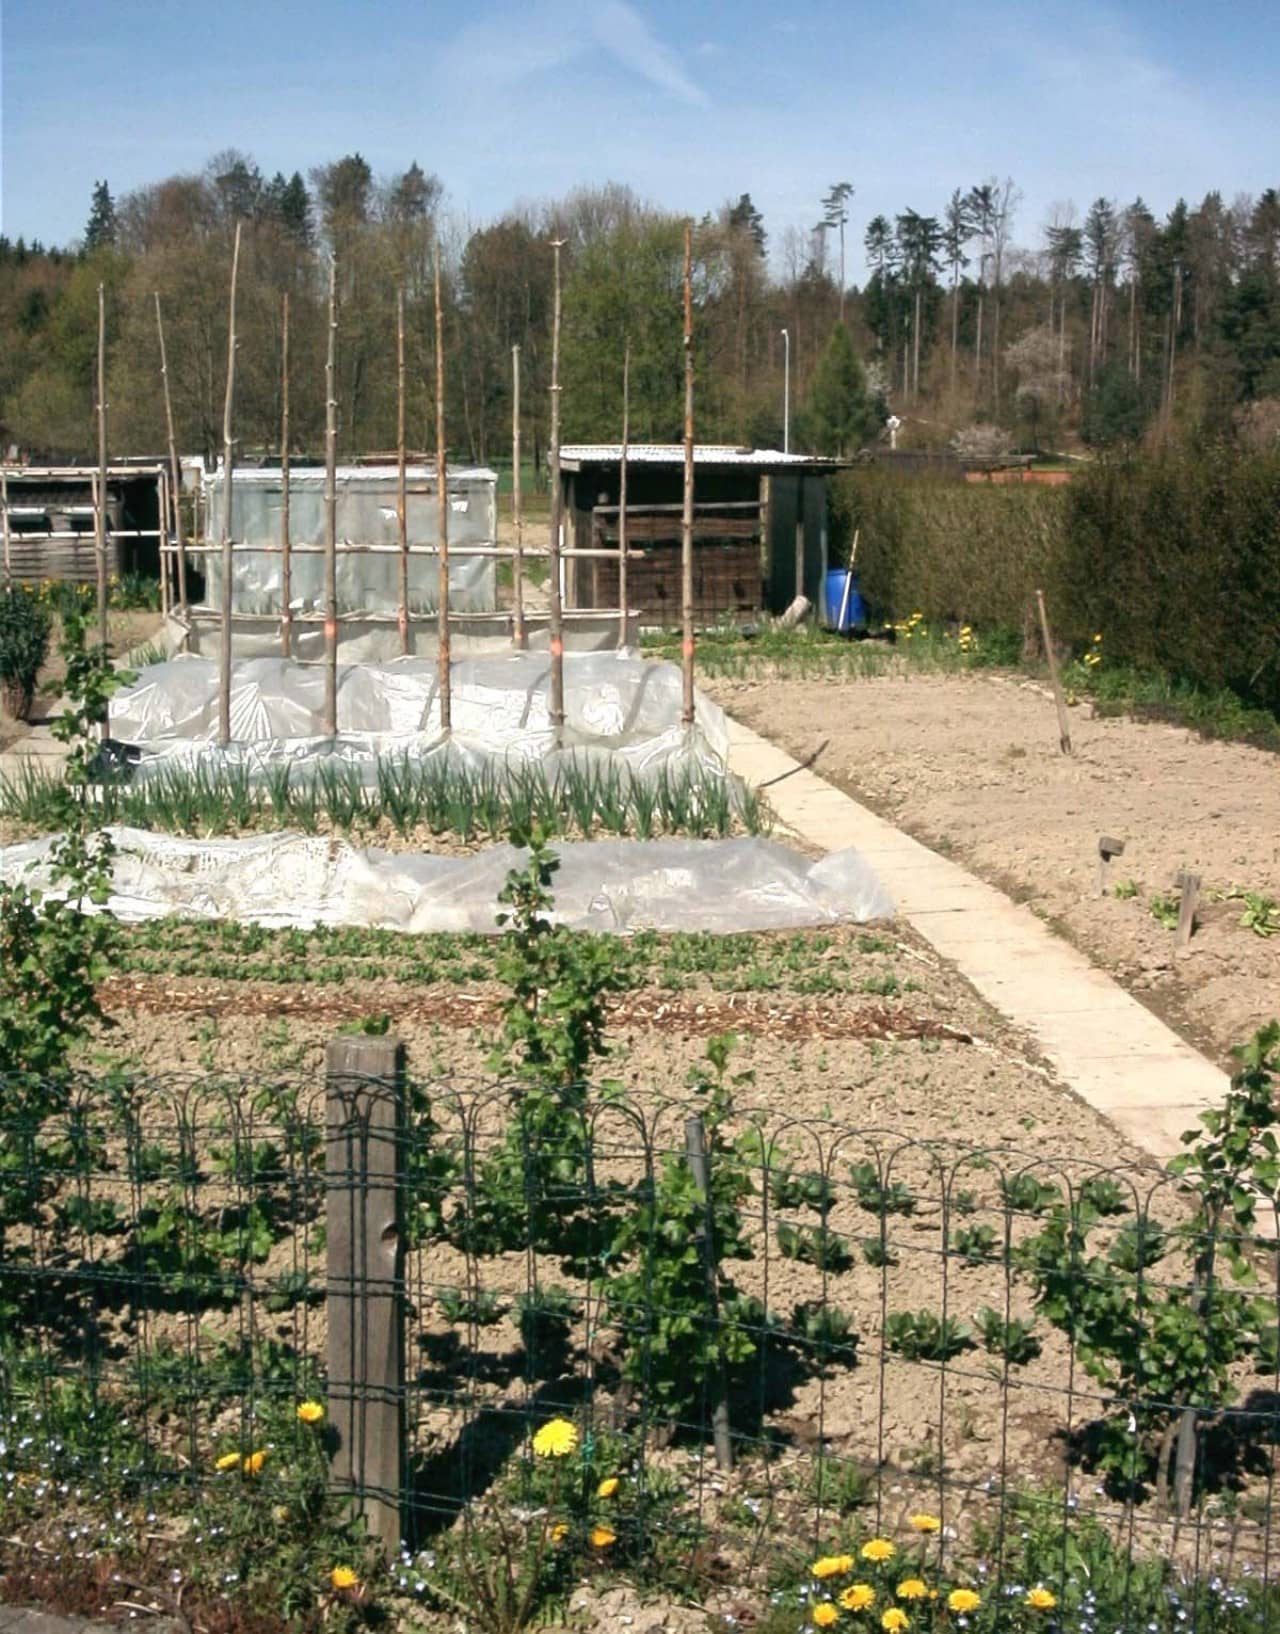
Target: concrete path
[(1104, 1045)]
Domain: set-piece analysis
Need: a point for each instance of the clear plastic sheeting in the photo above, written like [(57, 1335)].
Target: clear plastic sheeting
[(616, 705), (368, 535), (615, 886)]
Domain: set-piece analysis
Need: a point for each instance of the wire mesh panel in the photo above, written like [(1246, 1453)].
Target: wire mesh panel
[(537, 1305)]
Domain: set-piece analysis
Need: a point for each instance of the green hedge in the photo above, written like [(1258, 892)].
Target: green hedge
[(1174, 557), (972, 552)]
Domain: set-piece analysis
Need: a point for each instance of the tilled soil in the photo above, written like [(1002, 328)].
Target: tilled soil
[(970, 765)]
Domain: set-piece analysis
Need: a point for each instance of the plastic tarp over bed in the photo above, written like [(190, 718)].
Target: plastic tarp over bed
[(368, 534), (607, 885), (614, 704)]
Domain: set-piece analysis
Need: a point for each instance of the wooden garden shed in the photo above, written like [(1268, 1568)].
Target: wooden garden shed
[(759, 529)]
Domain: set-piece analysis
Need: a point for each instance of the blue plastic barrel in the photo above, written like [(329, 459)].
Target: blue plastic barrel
[(833, 595)]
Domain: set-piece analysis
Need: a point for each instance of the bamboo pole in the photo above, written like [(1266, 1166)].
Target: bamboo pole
[(100, 506), (622, 494), (402, 502), (162, 513), (519, 634), (286, 561), (442, 514), (331, 515), (555, 621), (175, 476), (686, 523), (228, 466), (4, 514)]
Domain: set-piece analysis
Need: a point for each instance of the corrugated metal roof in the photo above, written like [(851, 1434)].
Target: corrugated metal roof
[(575, 455), (375, 475)]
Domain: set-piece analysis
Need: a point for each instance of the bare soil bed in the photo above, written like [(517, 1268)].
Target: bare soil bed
[(970, 765)]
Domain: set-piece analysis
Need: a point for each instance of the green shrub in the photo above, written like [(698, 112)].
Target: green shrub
[(25, 623)]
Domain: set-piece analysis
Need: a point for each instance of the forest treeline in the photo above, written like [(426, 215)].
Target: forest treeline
[(1106, 328)]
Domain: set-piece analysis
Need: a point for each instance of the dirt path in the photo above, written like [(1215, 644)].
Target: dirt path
[(970, 766)]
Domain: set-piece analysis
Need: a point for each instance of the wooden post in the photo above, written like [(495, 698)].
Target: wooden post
[(402, 501), (364, 1121), (686, 524), (175, 475), (519, 634), (1064, 726), (163, 511), (286, 544), (331, 514), (442, 518), (1189, 888), (100, 509), (622, 494), (696, 1149), (555, 620), (228, 466), (4, 520)]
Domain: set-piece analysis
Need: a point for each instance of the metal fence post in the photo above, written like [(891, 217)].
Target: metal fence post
[(695, 1139), (364, 1118)]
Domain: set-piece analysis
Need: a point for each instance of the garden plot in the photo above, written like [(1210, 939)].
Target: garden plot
[(970, 765)]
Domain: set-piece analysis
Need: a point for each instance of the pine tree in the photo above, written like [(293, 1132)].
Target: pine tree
[(840, 415), (102, 226)]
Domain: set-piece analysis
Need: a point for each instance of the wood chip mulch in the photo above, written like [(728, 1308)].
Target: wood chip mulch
[(760, 1015)]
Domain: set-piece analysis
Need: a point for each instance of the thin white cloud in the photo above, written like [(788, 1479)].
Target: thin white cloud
[(558, 32)]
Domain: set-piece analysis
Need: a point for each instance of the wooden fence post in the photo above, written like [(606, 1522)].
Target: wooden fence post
[(364, 1101), (1188, 901), (1051, 657), (695, 1140)]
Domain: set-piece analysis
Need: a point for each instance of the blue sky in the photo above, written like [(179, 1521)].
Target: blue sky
[(691, 103)]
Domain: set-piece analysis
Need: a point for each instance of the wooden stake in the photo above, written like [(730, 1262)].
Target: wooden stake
[(442, 514), (686, 528), (1064, 727), (555, 619), (402, 502), (1189, 886), (286, 544), (163, 511), (100, 509), (228, 467), (331, 514), (622, 494), (175, 475), (519, 634)]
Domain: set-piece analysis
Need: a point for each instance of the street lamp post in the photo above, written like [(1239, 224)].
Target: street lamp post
[(786, 393)]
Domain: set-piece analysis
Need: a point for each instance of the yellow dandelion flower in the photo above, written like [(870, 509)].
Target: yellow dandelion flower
[(912, 1588), (556, 1439), (311, 1412), (858, 1597), (229, 1460), (825, 1615), (602, 1537), (607, 1487), (1041, 1599), (962, 1600), (924, 1523), (832, 1565), (878, 1549), (254, 1462), (895, 1620), (343, 1578), (559, 1532)]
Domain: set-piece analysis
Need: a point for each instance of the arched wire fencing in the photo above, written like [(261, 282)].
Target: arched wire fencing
[(778, 1336)]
